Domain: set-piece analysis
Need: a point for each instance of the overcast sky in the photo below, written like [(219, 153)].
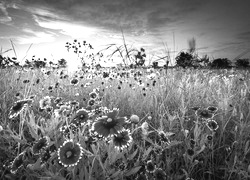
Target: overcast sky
[(221, 27)]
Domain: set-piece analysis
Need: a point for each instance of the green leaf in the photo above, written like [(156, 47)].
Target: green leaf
[(133, 155), (132, 171)]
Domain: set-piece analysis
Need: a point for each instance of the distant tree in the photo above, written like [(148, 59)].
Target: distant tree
[(155, 65), (184, 59), (220, 63), (62, 63), (242, 63)]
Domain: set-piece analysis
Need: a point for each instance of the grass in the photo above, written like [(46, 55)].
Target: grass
[(179, 124)]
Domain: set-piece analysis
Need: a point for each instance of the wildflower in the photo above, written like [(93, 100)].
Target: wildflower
[(70, 153), (17, 163), (74, 81), (212, 109), (212, 125), (122, 139), (91, 102), (159, 174), (204, 113), (46, 101), (109, 124), (150, 166), (40, 145), (149, 118), (93, 95), (209, 137), (18, 107), (81, 116), (134, 119), (190, 152), (1, 128)]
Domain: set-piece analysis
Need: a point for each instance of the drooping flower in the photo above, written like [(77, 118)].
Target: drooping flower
[(40, 145), (18, 107), (159, 174), (81, 116), (17, 163), (110, 124), (150, 166), (212, 125), (122, 139), (70, 153), (190, 152)]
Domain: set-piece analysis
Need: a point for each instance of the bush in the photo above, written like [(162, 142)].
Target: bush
[(242, 63), (184, 60), (221, 63)]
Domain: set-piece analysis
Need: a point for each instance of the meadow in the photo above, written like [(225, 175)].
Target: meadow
[(123, 123)]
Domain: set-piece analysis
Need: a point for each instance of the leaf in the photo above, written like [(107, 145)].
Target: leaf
[(133, 155), (114, 175), (146, 153), (132, 171)]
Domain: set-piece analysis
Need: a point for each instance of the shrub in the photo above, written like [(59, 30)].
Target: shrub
[(242, 63), (184, 60), (221, 63)]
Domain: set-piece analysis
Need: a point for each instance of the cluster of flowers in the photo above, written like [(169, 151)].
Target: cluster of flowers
[(92, 123)]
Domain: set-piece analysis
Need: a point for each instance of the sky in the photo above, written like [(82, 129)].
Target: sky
[(221, 28)]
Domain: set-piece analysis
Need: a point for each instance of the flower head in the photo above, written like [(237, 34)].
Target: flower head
[(81, 116), (204, 113), (212, 109), (70, 153), (91, 102), (212, 125), (93, 95), (150, 166), (17, 163), (18, 107), (109, 124), (40, 145), (122, 139), (159, 174)]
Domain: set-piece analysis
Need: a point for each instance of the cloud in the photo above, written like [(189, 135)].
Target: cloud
[(4, 16)]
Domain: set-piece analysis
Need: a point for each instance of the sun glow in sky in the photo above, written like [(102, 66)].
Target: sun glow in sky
[(221, 27)]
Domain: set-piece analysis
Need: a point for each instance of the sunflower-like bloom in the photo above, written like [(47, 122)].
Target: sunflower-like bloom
[(93, 95), (204, 113), (17, 163), (122, 139), (18, 107), (40, 145), (212, 125), (159, 174), (81, 116), (110, 124), (70, 153), (150, 166)]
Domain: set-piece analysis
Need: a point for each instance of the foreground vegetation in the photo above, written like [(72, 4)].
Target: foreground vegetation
[(124, 123)]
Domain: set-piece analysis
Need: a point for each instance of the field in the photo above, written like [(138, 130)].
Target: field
[(125, 124)]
